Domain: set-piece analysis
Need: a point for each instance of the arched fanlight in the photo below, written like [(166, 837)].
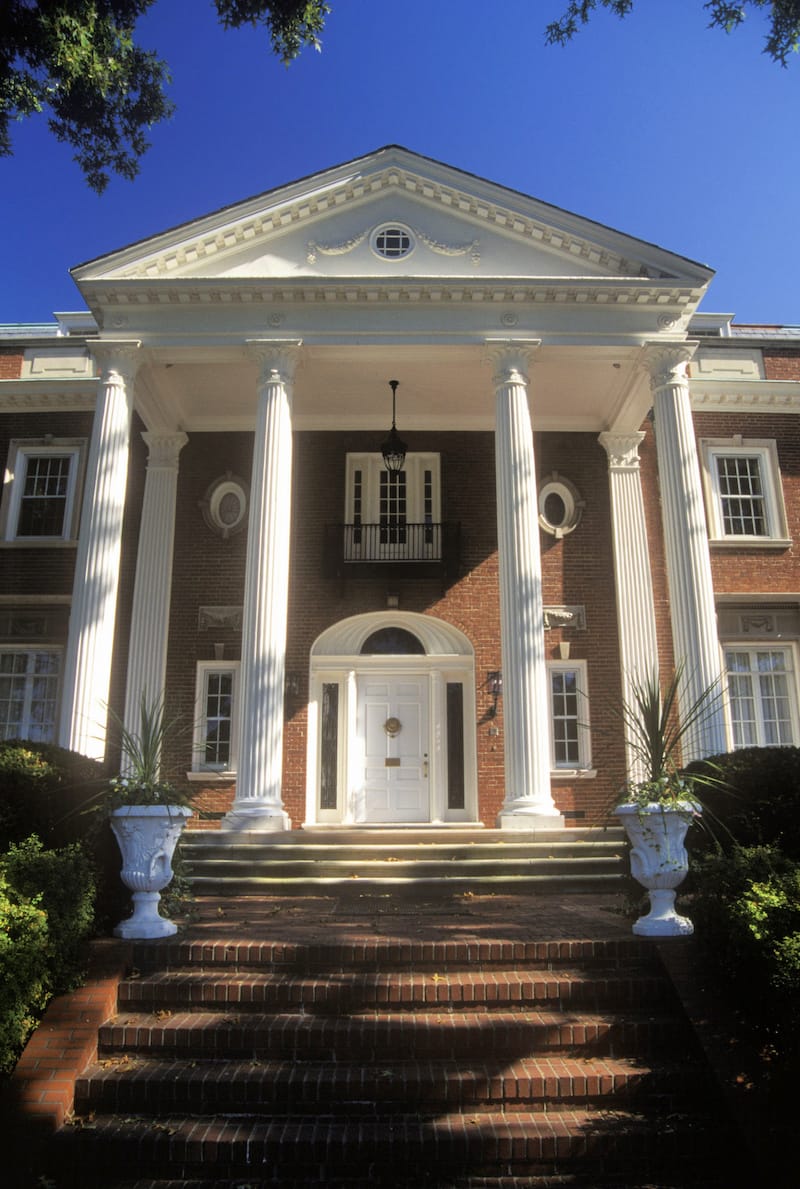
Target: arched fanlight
[(393, 449)]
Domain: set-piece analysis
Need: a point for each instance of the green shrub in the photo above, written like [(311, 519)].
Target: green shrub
[(757, 802), (23, 970), (746, 909), (62, 883), (43, 790)]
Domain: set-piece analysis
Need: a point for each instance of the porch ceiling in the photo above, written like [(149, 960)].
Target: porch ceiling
[(579, 389)]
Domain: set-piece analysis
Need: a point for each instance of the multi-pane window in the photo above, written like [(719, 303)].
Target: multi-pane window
[(393, 507), (743, 491), (568, 716), (40, 491), (741, 495), (29, 687), (392, 243), (215, 738), (761, 696)]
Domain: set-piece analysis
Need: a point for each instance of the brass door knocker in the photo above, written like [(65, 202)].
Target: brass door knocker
[(392, 727)]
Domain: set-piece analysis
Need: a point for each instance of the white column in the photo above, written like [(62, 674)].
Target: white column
[(638, 645), (147, 651), (258, 804), (87, 663), (528, 802), (694, 623)]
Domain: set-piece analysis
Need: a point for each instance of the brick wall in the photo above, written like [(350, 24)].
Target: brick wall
[(781, 363), (10, 363)]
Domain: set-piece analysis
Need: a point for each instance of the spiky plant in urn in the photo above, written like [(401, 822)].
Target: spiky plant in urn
[(658, 810), (147, 816)]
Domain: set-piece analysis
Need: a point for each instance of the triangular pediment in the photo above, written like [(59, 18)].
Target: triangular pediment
[(446, 224)]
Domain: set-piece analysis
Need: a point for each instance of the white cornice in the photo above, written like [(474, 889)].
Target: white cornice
[(570, 291), (30, 396), (753, 396)]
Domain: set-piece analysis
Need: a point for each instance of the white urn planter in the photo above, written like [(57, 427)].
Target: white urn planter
[(659, 861), (147, 837)]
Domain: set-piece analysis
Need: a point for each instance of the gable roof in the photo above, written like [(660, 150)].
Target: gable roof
[(318, 226)]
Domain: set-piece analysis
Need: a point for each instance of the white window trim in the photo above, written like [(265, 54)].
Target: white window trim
[(29, 649), (765, 449), (19, 451), (371, 465), (201, 771), (584, 767), (751, 645)]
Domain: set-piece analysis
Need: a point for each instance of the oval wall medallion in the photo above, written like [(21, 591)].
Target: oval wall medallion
[(224, 506)]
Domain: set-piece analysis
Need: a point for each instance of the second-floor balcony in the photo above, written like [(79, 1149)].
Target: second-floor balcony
[(392, 548)]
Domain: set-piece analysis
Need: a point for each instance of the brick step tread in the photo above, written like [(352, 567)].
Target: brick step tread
[(523, 1139), (401, 989), (238, 952), (419, 1181), (381, 1034), (141, 1084)]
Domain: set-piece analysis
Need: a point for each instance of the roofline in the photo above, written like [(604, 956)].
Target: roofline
[(356, 162)]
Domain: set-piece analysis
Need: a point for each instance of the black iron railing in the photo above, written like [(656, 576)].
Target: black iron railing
[(432, 548)]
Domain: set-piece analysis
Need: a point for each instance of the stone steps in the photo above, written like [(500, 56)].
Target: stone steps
[(244, 864), (393, 1062)]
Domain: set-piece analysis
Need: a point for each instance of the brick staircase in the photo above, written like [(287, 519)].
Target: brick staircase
[(396, 1062), (220, 864)]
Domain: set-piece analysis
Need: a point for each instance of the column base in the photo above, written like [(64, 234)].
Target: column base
[(528, 822), (260, 819)]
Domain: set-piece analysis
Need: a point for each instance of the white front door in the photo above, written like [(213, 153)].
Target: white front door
[(392, 725)]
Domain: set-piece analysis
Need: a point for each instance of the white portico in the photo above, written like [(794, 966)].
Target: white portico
[(288, 314)]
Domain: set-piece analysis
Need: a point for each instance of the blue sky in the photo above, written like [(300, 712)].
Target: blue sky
[(654, 125)]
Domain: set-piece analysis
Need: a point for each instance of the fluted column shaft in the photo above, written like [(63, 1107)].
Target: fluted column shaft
[(638, 644), (258, 804), (528, 801), (90, 642), (147, 652), (694, 624)]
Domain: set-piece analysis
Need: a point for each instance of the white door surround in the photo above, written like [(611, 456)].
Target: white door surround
[(391, 735)]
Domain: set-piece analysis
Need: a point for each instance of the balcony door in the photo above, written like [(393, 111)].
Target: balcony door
[(393, 515)]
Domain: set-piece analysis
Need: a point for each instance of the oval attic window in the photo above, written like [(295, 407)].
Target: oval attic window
[(392, 241)]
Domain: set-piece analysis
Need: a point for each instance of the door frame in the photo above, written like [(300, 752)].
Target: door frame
[(336, 663)]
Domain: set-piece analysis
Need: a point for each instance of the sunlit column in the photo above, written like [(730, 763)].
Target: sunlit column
[(90, 642), (258, 804), (528, 801)]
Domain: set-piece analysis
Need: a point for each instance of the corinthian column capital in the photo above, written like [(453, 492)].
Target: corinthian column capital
[(118, 362), (622, 450), (164, 449), (277, 359), (667, 362), (511, 359)]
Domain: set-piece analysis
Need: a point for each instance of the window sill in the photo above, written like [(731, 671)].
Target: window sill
[(573, 773), (750, 542), (211, 777)]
